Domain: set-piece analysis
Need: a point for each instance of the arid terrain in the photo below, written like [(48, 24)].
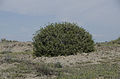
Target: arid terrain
[(17, 62)]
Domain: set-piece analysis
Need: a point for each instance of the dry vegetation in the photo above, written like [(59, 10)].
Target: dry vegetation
[(18, 62), (15, 46)]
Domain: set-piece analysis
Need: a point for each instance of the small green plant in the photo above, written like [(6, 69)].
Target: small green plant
[(58, 65), (44, 69), (62, 39)]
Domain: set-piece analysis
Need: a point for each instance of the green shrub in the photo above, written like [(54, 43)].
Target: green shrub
[(62, 39)]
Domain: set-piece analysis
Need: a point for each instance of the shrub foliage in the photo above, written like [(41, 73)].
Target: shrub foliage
[(62, 39)]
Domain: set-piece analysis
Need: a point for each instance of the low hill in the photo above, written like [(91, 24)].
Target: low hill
[(15, 46), (17, 62)]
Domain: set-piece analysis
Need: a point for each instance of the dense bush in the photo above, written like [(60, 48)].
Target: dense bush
[(62, 39)]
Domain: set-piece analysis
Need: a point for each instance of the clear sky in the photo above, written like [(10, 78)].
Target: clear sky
[(19, 19)]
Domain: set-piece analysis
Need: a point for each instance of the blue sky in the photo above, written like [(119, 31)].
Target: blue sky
[(19, 19)]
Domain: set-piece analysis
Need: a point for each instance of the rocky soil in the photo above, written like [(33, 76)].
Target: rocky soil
[(20, 53), (15, 46)]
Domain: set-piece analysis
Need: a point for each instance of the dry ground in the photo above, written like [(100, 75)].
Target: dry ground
[(104, 63)]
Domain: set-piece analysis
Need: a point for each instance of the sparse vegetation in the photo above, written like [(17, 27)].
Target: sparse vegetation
[(62, 39), (98, 71), (22, 69), (117, 41), (5, 52), (7, 46), (104, 63), (110, 43), (3, 40), (20, 65)]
